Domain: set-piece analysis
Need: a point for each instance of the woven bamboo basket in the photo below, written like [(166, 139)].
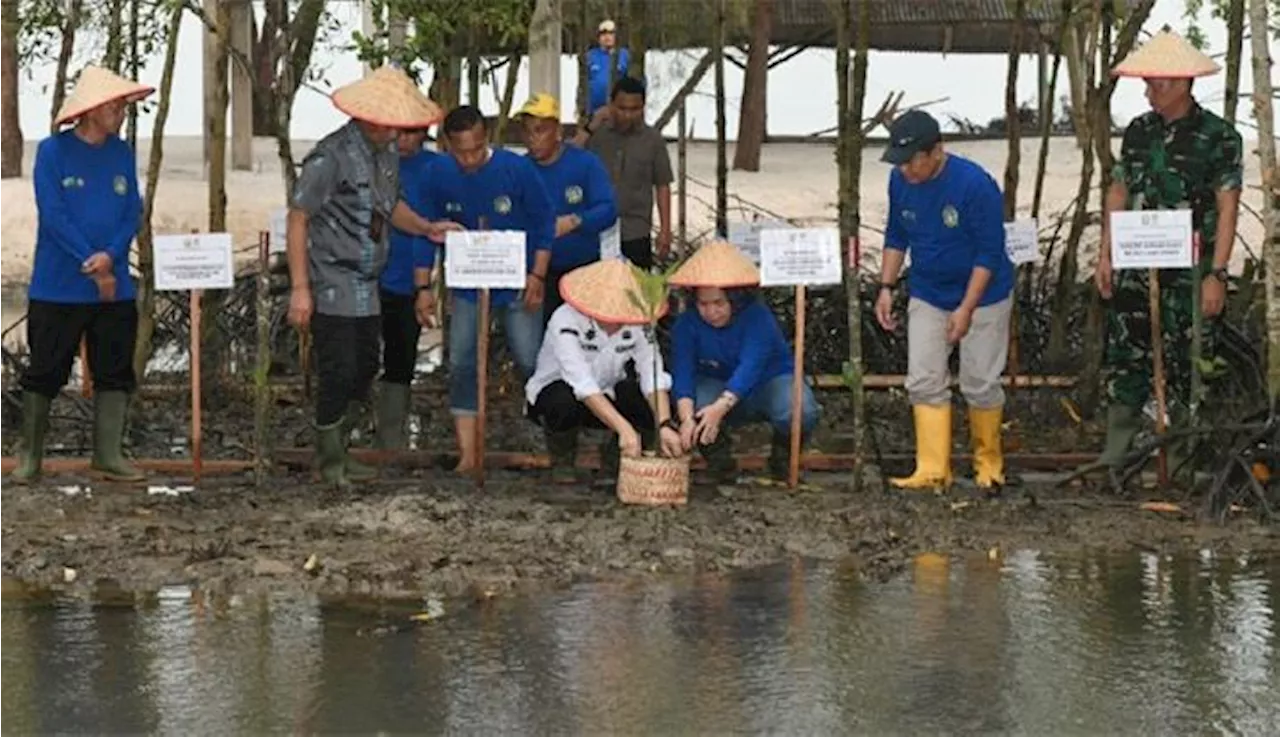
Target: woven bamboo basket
[(654, 481)]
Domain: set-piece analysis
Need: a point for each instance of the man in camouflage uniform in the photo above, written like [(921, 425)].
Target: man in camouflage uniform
[(1178, 156)]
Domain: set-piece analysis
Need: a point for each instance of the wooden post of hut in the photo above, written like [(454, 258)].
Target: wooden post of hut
[(1264, 113), (545, 47), (241, 86)]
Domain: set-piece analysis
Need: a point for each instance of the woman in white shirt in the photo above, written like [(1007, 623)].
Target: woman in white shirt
[(580, 379)]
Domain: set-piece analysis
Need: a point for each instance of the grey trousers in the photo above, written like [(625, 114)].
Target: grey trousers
[(983, 353)]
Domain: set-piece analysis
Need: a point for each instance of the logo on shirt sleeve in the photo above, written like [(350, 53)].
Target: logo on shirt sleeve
[(573, 194), (72, 183), (453, 207), (950, 217), (502, 204), (120, 185)]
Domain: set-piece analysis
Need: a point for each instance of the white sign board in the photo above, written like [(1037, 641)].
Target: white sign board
[(611, 241), (194, 261), (746, 235), (485, 259), (279, 231), (1022, 241), (793, 256), (1151, 239)]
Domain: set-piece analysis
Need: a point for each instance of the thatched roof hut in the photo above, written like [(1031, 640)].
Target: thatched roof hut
[(937, 26)]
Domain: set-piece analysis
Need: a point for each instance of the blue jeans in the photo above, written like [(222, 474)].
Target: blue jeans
[(523, 331), (770, 402)]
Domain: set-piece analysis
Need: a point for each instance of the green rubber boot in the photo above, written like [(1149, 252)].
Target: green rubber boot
[(563, 449), (356, 471), (721, 467), (331, 454), (1123, 424), (391, 412), (109, 410), (35, 422)]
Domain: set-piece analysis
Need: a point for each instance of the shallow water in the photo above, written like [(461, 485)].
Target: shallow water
[(1132, 644)]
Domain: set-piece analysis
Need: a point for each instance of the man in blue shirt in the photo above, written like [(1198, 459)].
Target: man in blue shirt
[(481, 188), (600, 58), (87, 198), (948, 212), (400, 327), (580, 191)]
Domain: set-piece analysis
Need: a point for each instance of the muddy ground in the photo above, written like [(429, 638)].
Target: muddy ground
[(425, 531), (438, 535)]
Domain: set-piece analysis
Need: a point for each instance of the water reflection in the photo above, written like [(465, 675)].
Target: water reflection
[(1133, 644)]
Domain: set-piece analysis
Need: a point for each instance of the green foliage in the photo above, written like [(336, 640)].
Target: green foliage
[(437, 27), (40, 24), (1193, 11)]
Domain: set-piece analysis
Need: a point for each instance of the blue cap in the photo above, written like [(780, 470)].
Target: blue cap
[(912, 132)]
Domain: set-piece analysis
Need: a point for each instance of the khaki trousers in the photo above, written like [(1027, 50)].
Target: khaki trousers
[(983, 352)]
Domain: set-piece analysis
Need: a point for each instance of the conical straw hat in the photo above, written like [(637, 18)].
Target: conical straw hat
[(387, 97), (96, 87), (717, 264), (1166, 56), (601, 290)]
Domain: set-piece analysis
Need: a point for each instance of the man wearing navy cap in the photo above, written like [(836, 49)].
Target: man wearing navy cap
[(948, 212)]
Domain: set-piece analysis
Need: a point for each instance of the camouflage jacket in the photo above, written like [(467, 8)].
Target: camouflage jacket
[(1181, 165)]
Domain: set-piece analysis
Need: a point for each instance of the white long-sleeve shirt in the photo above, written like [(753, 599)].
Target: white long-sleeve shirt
[(577, 350)]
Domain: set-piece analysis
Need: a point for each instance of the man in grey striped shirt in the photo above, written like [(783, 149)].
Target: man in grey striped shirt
[(341, 211)]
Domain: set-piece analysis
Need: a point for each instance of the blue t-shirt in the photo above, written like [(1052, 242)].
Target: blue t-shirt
[(950, 224), (598, 73), (745, 354), (87, 201), (578, 184), (506, 191), (397, 277)]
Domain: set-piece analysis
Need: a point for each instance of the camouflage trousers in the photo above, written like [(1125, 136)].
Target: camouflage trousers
[(1128, 358)]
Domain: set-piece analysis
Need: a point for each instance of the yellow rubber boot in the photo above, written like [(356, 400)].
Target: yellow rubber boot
[(933, 449), (988, 457)]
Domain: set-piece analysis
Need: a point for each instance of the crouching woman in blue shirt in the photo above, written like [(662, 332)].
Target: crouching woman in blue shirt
[(731, 364)]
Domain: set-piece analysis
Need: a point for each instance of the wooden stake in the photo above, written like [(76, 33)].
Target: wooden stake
[(482, 383), (86, 376), (682, 169), (262, 369), (1157, 370), (196, 294), (797, 390), (304, 358)]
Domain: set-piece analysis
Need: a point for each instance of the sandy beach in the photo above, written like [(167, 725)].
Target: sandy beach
[(796, 181)]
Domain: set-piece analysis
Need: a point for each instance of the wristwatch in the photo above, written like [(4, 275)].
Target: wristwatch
[(671, 424), (1220, 274), (887, 285)]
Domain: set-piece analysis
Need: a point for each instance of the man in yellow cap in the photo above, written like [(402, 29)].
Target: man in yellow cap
[(1178, 156), (87, 198), (580, 190), (341, 211)]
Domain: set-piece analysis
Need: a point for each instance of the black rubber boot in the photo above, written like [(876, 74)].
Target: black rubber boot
[(722, 469), (563, 449), (610, 460), (779, 464), (35, 423)]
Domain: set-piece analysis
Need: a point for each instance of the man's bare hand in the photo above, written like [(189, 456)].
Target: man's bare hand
[(437, 231), (424, 307), (884, 311), (98, 263), (533, 292), (300, 308), (106, 286)]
